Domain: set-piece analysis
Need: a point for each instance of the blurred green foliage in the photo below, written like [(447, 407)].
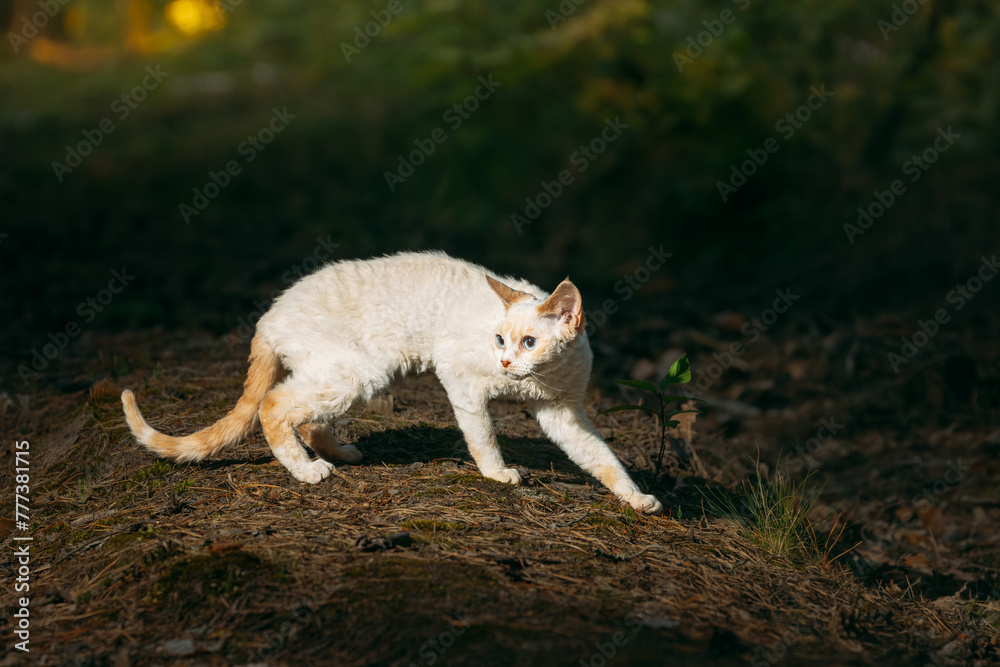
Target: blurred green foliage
[(656, 184)]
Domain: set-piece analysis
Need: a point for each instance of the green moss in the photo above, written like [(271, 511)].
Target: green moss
[(464, 478), (159, 468), (77, 537), (55, 529), (120, 540), (194, 580), (107, 413), (432, 493)]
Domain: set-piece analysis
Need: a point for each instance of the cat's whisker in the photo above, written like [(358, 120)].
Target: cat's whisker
[(539, 381)]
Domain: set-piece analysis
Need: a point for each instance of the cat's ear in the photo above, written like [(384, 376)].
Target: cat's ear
[(566, 304), (508, 295)]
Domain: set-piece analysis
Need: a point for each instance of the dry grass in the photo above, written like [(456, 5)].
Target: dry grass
[(139, 561)]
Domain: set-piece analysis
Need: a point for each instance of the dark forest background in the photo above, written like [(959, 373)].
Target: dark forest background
[(898, 73)]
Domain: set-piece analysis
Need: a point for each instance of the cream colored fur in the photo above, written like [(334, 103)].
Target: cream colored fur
[(344, 332)]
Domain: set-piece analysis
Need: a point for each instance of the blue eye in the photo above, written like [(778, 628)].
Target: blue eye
[(499, 341), (528, 342)]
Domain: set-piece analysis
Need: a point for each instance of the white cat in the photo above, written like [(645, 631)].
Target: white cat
[(344, 332)]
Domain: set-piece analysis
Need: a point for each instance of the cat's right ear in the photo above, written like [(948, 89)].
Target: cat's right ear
[(508, 295), (566, 304)]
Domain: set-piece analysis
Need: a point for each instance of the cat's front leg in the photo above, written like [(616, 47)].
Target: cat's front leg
[(477, 427), (473, 416), (568, 427)]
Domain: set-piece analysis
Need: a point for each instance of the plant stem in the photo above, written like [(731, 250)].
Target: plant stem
[(663, 438)]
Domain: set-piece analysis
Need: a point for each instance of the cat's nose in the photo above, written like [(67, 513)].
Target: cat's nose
[(505, 362)]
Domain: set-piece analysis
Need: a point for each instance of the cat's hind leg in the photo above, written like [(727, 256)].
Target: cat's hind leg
[(321, 438), (305, 406), (281, 412)]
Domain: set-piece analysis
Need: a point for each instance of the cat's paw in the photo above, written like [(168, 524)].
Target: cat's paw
[(645, 504), (315, 472), (506, 475)]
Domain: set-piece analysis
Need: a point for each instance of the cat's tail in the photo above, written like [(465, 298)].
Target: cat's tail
[(265, 371)]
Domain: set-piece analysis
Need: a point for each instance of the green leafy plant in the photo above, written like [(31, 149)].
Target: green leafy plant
[(679, 373)]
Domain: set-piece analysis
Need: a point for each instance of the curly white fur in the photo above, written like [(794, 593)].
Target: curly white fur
[(344, 332)]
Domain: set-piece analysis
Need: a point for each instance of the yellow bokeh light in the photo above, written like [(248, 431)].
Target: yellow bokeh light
[(74, 21), (194, 16)]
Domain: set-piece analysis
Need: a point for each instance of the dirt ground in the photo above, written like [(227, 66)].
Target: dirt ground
[(410, 557)]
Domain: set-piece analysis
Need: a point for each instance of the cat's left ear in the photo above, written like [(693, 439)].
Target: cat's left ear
[(508, 295), (566, 304)]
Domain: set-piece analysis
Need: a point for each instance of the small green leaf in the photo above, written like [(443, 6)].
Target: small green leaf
[(639, 384), (682, 399), (679, 373), (673, 424), (619, 408)]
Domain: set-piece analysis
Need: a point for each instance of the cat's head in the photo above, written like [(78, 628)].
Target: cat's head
[(534, 332)]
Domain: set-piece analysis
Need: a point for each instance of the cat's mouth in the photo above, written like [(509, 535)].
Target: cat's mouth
[(517, 376)]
